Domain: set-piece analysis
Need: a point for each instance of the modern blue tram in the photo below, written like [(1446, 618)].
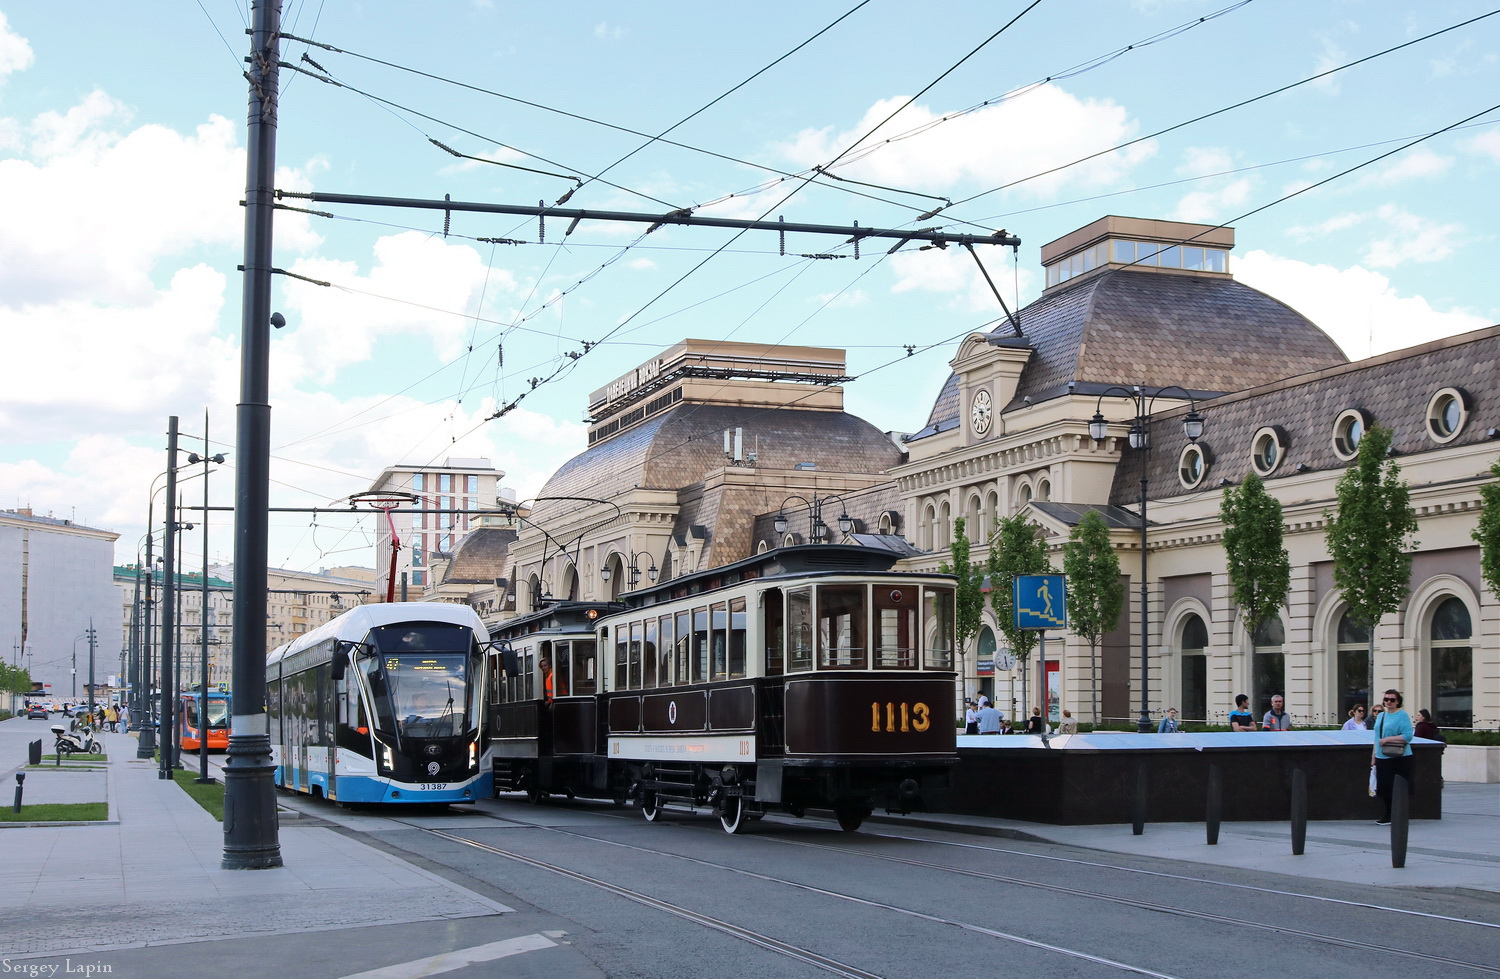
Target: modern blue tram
[(382, 704)]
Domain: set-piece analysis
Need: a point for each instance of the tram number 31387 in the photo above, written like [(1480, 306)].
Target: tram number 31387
[(909, 717)]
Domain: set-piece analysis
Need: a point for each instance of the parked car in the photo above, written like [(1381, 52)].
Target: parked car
[(37, 711)]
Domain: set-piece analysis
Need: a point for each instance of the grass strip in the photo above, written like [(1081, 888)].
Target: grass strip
[(56, 812), (210, 796)]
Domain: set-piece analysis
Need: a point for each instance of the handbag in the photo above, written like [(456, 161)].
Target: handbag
[(1372, 781)]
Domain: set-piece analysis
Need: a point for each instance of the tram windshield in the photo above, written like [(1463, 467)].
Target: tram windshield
[(218, 712), (420, 680)]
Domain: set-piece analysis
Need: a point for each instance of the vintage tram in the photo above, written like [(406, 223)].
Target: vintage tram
[(383, 703), (806, 677)]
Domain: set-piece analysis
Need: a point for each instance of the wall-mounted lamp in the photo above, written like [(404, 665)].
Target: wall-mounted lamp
[(1225, 481), (1300, 467)]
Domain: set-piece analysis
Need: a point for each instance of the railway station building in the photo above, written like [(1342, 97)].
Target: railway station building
[(713, 450)]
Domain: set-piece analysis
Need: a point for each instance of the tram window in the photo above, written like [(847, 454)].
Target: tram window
[(937, 615), (648, 656), (799, 630), (562, 669), (584, 657), (720, 642), (841, 627), (736, 638), (635, 655), (664, 653), (773, 631), (622, 656), (700, 645), (895, 628), (682, 672)]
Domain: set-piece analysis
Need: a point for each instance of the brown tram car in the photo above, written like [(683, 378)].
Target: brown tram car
[(805, 677)]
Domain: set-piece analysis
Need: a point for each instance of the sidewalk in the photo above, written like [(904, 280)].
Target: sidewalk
[(150, 874)]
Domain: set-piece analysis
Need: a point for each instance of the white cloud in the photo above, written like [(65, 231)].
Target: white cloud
[(1044, 128), (15, 51), (1485, 144), (1415, 164), (1334, 224), (954, 273), (1358, 307), (1214, 205), (1201, 160), (1412, 239)]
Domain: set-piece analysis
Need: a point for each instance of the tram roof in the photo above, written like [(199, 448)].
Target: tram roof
[(559, 616), (802, 560), (356, 623)]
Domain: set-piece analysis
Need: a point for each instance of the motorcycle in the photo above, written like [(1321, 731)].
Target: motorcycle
[(69, 743)]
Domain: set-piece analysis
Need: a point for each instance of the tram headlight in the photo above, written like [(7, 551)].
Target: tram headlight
[(386, 758), (473, 753)]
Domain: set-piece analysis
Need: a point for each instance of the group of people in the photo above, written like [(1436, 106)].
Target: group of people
[(983, 717)]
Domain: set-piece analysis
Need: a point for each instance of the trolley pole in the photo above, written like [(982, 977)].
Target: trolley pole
[(168, 738), (250, 832)]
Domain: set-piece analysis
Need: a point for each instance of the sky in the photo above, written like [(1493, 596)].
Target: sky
[(122, 167)]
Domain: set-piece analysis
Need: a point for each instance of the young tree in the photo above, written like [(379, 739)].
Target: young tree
[(1370, 534), (1016, 549), (969, 596), (1260, 572), (1488, 531), (1096, 592)]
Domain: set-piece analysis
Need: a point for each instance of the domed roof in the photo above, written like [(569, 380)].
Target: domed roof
[(1207, 334), (680, 446)]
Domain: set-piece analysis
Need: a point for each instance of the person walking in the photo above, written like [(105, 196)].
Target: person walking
[(1169, 723), (1277, 719), (1356, 721), (989, 719), (1391, 755), (971, 718), (1240, 719)]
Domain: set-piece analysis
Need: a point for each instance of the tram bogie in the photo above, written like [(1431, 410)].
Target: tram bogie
[(806, 678)]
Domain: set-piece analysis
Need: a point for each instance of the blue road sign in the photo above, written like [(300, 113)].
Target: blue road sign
[(1040, 601)]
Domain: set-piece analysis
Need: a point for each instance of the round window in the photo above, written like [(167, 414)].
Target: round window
[(1267, 449), (1192, 465), (1447, 412), (1348, 429)]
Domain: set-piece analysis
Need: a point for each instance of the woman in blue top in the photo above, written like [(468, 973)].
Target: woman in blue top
[(1391, 755)]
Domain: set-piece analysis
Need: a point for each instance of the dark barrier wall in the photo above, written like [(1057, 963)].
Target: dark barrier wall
[(1077, 786)]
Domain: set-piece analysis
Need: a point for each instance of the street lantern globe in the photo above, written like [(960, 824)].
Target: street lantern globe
[(781, 523), (604, 573), (1139, 439), (1098, 427), (846, 523), (1192, 425)]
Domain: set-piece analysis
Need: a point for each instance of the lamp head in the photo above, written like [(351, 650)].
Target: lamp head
[(781, 523), (1192, 425), (1098, 427)]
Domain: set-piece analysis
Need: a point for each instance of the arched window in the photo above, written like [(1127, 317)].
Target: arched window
[(1452, 659), (1353, 665), (1268, 669), (1194, 645), (928, 529), (944, 528), (973, 520), (992, 513), (1044, 490)]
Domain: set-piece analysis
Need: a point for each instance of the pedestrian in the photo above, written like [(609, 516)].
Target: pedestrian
[(1426, 728), (1069, 723), (1372, 717), (1391, 755), (1169, 723), (971, 718), (1356, 721), (125, 718), (1240, 719), (989, 719), (112, 717), (1005, 726), (983, 700), (1034, 723), (1277, 719)]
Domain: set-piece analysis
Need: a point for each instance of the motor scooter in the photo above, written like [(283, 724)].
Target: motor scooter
[(69, 743)]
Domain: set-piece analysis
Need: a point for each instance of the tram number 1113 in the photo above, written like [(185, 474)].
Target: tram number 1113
[(909, 717)]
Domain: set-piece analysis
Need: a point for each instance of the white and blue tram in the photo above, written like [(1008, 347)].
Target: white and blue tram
[(808, 677), (384, 703)]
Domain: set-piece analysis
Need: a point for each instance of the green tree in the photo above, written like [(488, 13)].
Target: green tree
[(969, 595), (1370, 535), (1260, 572), (1096, 593), (1016, 549), (1488, 531)]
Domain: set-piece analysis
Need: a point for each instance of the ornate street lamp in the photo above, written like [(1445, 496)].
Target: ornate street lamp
[(817, 529), (1142, 399), (633, 570)]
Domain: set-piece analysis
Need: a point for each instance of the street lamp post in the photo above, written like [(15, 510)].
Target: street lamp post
[(817, 529), (1142, 400), (633, 569), (203, 610)]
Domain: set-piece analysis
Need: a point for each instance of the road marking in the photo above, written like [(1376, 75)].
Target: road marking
[(448, 961)]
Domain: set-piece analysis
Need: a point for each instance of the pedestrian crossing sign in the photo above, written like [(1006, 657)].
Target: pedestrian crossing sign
[(1040, 601)]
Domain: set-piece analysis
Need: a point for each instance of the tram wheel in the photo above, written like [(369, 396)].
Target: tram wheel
[(649, 808), (732, 814), (850, 817), (534, 793)]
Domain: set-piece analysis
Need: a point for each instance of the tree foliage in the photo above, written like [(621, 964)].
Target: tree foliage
[(1371, 532), (1487, 533), (1096, 593), (1017, 549), (14, 679), (1260, 571), (969, 598)]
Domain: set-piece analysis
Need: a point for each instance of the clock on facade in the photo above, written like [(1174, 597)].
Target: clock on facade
[(979, 413)]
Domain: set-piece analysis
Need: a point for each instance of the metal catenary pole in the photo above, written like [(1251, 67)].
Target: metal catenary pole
[(168, 605)]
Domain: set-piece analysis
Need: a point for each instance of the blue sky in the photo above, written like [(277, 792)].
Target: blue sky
[(122, 165)]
